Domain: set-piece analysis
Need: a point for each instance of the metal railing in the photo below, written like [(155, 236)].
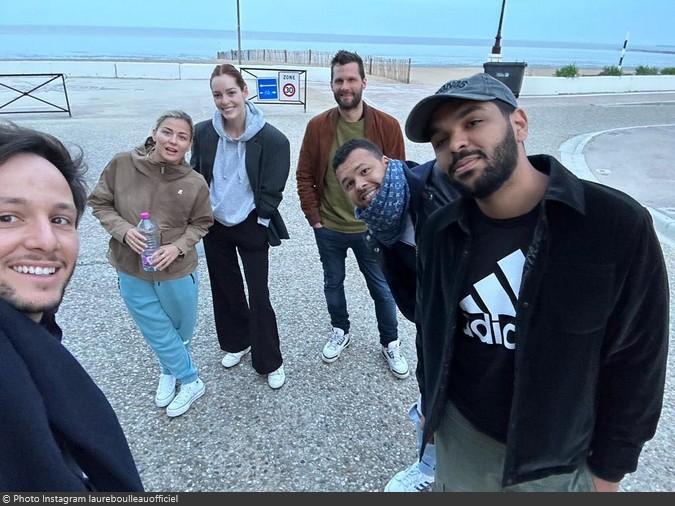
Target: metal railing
[(28, 87)]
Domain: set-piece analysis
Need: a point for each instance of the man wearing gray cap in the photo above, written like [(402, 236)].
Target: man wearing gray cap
[(543, 309)]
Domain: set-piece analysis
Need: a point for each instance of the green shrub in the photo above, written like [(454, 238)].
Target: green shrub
[(611, 70), (570, 70), (668, 71), (644, 70)]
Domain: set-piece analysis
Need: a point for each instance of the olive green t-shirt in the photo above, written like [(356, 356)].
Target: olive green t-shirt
[(337, 211)]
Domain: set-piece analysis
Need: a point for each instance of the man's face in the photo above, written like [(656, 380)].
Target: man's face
[(38, 239), (361, 175), (474, 145), (347, 85)]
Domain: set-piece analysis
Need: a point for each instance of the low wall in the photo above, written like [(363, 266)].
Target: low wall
[(531, 86), (137, 70), (536, 85)]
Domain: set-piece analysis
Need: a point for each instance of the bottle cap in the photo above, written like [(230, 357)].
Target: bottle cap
[(145, 215)]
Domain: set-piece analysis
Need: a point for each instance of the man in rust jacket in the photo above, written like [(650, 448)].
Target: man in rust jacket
[(331, 214)]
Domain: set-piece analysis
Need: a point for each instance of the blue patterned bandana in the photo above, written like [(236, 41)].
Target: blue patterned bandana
[(385, 214)]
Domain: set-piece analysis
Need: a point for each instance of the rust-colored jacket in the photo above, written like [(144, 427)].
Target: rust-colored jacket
[(380, 128)]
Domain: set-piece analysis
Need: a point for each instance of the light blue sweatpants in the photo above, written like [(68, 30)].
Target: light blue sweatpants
[(166, 314)]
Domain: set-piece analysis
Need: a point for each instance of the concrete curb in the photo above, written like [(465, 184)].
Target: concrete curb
[(572, 157)]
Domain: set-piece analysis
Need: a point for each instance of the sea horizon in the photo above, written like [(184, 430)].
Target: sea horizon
[(19, 42)]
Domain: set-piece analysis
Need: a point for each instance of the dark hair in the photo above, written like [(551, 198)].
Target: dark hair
[(16, 140), (343, 57), (346, 149), (227, 69)]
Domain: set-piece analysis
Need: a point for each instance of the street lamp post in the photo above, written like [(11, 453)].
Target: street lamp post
[(239, 34), (497, 48)]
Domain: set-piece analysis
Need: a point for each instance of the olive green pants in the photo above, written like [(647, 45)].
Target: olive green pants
[(469, 461)]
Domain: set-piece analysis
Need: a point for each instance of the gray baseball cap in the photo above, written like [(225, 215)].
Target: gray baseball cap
[(481, 87)]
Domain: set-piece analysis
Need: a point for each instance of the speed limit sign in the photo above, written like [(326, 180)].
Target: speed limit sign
[(289, 85)]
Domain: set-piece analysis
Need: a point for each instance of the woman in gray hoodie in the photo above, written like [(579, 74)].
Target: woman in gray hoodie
[(246, 162)]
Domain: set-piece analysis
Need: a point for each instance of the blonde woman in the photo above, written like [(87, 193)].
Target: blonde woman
[(155, 177)]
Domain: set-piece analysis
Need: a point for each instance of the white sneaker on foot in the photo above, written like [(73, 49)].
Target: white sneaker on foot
[(397, 362), (276, 379), (338, 341), (232, 359), (166, 390), (188, 393), (410, 480)]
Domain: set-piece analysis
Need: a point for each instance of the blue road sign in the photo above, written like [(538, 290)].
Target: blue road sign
[(268, 89)]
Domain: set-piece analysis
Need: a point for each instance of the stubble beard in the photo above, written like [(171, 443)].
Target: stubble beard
[(347, 104), (30, 306)]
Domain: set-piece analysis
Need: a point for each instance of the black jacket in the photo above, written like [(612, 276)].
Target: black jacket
[(267, 166), (55, 421), (429, 190), (591, 329)]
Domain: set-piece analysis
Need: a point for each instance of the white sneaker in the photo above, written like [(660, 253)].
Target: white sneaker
[(232, 359), (276, 379), (188, 393), (397, 362), (338, 341), (410, 480), (166, 390)]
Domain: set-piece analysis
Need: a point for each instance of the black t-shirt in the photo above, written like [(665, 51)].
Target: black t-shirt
[(481, 378)]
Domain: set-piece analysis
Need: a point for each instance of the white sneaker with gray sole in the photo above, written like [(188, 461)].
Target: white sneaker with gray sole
[(166, 390), (398, 365), (188, 393), (338, 341)]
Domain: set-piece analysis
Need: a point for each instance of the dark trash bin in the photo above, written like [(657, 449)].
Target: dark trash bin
[(510, 73)]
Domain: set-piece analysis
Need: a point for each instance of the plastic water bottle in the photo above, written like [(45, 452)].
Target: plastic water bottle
[(151, 233)]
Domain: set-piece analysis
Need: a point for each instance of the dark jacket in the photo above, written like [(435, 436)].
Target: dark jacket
[(267, 166), (380, 128), (591, 329), (55, 421), (429, 190)]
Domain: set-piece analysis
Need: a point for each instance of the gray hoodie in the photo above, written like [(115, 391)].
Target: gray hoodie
[(231, 192)]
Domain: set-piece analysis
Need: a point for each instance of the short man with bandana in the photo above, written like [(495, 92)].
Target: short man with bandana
[(394, 198)]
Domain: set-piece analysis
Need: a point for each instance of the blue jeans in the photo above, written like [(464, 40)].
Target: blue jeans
[(428, 460), (333, 248)]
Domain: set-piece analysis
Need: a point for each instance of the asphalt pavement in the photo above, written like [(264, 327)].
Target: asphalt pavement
[(332, 427)]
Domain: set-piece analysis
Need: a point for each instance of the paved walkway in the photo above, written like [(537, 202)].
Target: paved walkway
[(332, 427), (626, 159)]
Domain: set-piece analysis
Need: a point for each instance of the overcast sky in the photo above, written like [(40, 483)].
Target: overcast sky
[(650, 22)]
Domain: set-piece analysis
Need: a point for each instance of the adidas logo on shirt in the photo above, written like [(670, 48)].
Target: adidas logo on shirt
[(498, 293)]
